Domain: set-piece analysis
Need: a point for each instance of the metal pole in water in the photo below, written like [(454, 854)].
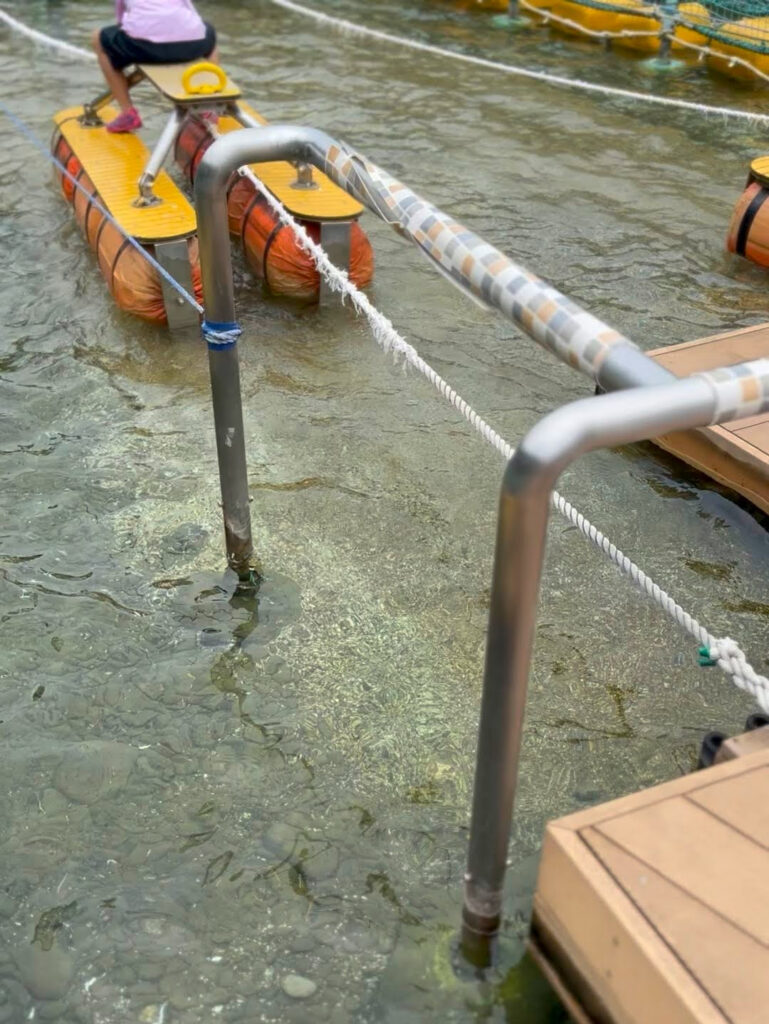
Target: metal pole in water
[(220, 328), (550, 446), (221, 331)]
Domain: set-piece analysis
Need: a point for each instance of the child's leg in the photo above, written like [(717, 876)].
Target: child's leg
[(211, 49), (116, 80)]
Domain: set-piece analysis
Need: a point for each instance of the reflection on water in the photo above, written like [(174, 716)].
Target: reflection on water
[(221, 806)]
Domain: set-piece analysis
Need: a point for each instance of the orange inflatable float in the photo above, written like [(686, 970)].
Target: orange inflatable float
[(748, 233), (133, 282), (271, 248)]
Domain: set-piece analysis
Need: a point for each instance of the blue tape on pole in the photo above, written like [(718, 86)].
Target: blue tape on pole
[(219, 336)]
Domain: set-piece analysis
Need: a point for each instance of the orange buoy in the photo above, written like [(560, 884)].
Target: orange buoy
[(275, 255), (133, 281), (748, 233), (271, 248)]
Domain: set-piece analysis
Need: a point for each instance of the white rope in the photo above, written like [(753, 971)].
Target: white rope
[(724, 651), (44, 40), (730, 59), (546, 15), (510, 69)]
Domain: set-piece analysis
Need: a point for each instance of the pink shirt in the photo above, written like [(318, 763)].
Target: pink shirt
[(160, 21)]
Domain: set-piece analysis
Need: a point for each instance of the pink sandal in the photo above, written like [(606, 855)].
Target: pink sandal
[(128, 121)]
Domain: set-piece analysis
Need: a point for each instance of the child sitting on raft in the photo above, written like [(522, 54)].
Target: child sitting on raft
[(149, 32)]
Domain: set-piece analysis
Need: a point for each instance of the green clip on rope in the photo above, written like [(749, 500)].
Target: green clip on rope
[(705, 659)]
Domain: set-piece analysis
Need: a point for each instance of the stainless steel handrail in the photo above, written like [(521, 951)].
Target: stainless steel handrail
[(545, 452)]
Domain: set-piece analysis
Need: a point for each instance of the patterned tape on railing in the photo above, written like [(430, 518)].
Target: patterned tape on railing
[(741, 390), (560, 325)]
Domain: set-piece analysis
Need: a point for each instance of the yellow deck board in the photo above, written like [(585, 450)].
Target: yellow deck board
[(114, 164), (328, 202), (167, 78), (735, 453)]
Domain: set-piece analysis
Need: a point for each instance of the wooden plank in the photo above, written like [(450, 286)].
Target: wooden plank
[(577, 1013), (735, 454), (709, 353), (653, 907), (685, 785), (585, 919), (114, 164), (698, 852), (756, 434), (749, 421), (326, 202), (730, 965), (741, 802), (167, 78), (716, 455)]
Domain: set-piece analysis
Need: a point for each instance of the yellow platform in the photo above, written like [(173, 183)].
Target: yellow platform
[(327, 202), (759, 170), (736, 453), (114, 164), (167, 79)]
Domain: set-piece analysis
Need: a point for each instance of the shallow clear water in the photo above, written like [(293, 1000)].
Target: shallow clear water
[(204, 793)]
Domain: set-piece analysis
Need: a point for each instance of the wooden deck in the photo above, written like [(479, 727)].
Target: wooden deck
[(652, 909), (737, 453)]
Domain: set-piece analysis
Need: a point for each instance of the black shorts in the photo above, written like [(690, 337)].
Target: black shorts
[(123, 49)]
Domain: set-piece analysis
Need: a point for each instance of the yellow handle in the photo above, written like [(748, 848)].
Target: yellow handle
[(204, 88)]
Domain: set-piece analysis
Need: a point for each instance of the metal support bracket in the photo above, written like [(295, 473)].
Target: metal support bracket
[(335, 239), (304, 179), (174, 257), (157, 158)]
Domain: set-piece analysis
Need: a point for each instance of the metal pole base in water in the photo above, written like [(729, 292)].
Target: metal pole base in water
[(231, 450), (664, 66), (478, 939), (663, 63), (512, 20), (517, 24)]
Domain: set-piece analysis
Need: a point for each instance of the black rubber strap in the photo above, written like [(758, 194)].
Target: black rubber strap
[(246, 214), (87, 210), (268, 245), (205, 138), (104, 222), (748, 217), (234, 179), (124, 245)]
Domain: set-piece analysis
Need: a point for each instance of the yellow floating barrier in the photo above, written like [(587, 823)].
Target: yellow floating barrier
[(735, 53), (733, 45), (631, 24)]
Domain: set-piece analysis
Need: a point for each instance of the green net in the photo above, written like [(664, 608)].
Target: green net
[(741, 23)]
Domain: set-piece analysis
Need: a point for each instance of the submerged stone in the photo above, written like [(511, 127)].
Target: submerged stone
[(46, 974), (297, 987), (95, 769)]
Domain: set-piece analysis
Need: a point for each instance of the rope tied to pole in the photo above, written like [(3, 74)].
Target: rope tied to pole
[(220, 336)]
